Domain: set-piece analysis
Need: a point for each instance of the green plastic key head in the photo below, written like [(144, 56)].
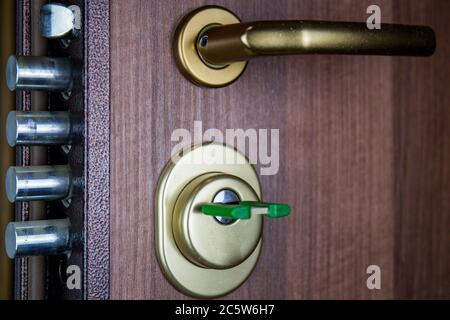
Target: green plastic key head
[(245, 209)]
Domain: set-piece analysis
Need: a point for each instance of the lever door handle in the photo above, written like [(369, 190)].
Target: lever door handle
[(214, 37), (245, 209), (221, 45)]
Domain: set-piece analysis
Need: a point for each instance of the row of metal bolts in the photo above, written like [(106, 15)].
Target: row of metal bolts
[(43, 183)]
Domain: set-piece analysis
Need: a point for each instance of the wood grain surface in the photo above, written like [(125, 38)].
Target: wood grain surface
[(422, 150), (364, 153)]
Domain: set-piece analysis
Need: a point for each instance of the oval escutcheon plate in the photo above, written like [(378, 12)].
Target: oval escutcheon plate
[(189, 272)]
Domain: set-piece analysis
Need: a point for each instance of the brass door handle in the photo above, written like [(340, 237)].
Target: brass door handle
[(242, 41), (213, 46)]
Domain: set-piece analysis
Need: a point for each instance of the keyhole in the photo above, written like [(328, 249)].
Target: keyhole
[(204, 41), (229, 197)]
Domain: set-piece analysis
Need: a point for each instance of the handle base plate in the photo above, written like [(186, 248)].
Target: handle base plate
[(190, 63)]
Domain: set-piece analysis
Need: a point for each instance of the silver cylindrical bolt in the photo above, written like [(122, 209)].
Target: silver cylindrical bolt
[(38, 238), (39, 73), (39, 128), (41, 183), (60, 21)]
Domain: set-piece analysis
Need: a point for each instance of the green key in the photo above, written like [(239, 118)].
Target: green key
[(245, 209)]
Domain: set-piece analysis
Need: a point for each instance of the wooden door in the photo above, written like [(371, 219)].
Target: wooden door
[(364, 152)]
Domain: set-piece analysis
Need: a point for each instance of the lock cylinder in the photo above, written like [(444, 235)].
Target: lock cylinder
[(210, 242), (38, 238), (209, 219), (41, 183), (39, 73)]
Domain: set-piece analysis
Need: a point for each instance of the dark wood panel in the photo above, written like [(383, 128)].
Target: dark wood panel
[(339, 169), (339, 129), (422, 118)]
